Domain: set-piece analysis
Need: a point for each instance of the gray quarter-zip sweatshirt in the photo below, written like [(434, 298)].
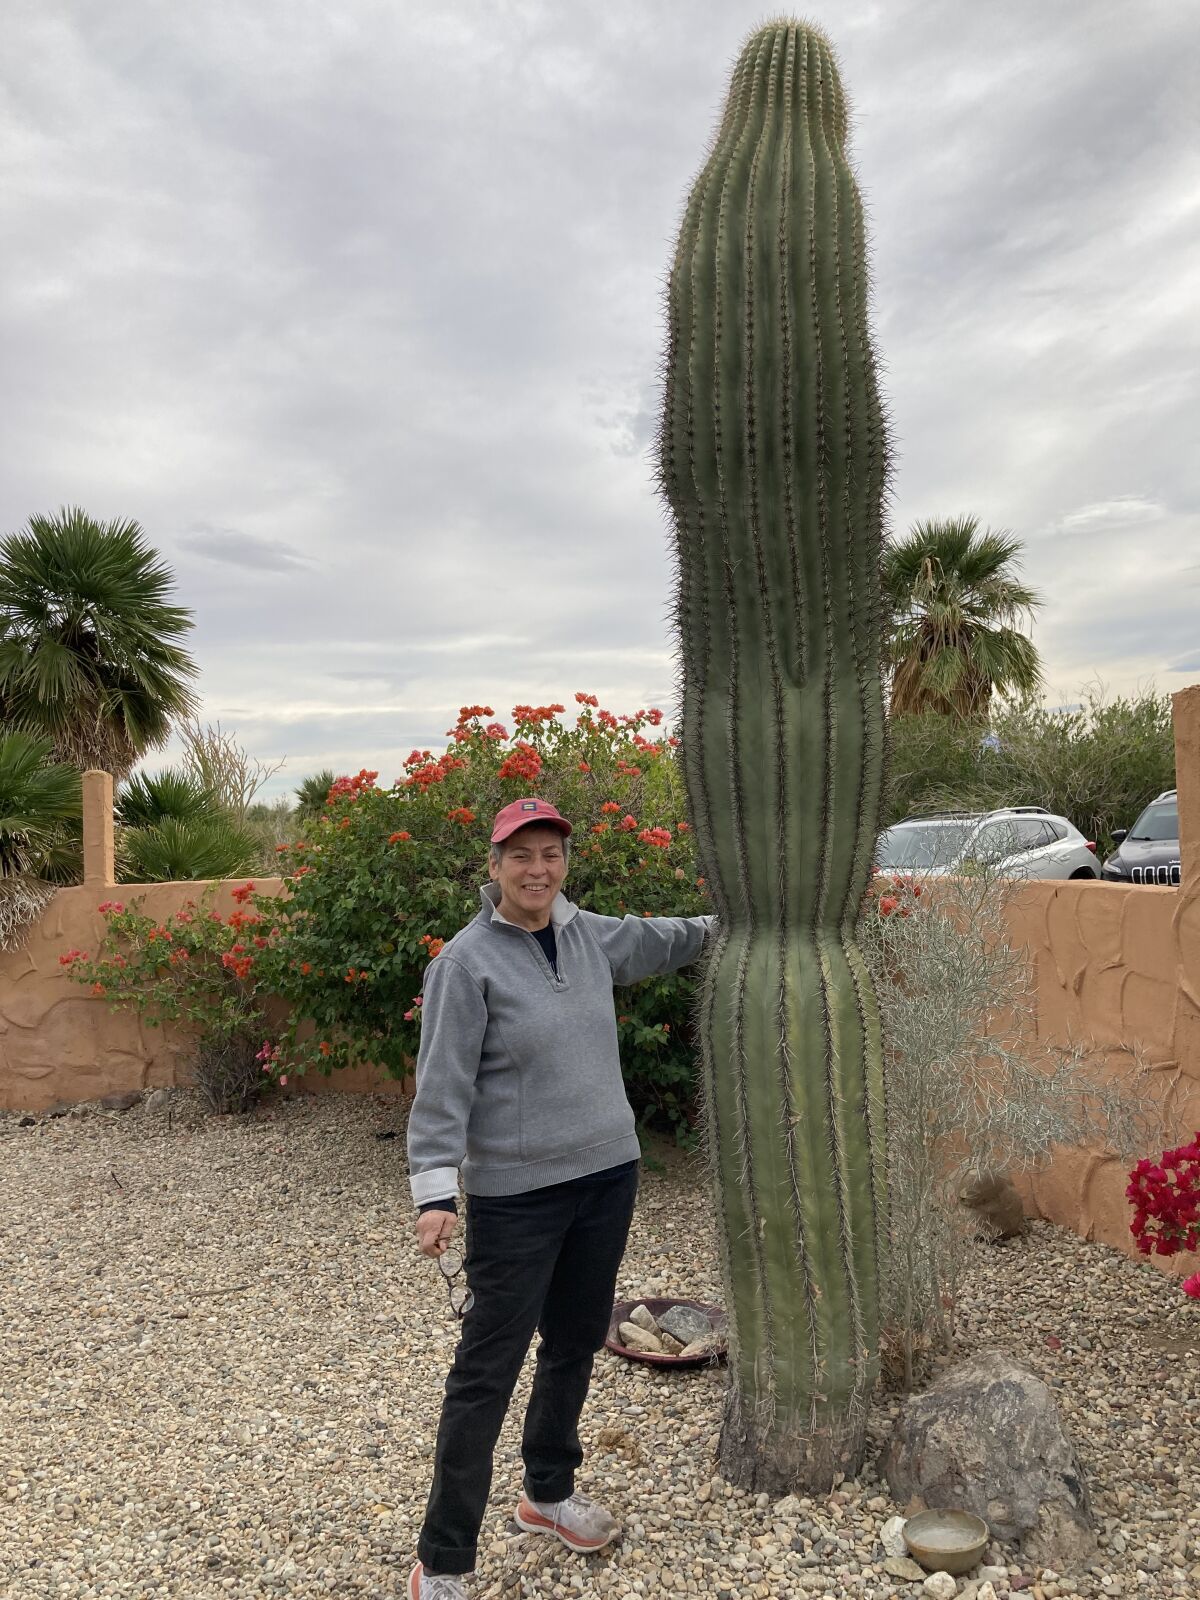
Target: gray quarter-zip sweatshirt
[(518, 1075)]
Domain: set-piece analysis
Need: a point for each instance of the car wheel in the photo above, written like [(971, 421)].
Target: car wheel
[(1083, 873)]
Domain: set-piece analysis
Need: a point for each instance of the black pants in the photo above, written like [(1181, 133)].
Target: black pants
[(545, 1261)]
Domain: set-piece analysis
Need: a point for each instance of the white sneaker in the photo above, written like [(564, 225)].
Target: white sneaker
[(580, 1523), (424, 1585)]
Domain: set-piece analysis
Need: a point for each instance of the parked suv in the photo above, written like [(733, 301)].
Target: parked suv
[(1149, 851), (1016, 842)]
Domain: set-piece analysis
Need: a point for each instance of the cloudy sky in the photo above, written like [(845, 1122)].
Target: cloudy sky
[(356, 307)]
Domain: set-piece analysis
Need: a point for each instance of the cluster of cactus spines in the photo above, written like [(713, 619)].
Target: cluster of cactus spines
[(774, 460)]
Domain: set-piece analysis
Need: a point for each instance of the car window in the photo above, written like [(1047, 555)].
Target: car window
[(1032, 834), (917, 845), (1159, 821), (995, 841)]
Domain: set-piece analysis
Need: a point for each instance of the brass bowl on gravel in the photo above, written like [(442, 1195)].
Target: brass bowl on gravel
[(946, 1541)]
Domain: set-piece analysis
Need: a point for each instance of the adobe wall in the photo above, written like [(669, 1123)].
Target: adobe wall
[(60, 1044)]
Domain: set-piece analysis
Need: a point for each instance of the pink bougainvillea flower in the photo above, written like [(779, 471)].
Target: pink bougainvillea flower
[(1191, 1286)]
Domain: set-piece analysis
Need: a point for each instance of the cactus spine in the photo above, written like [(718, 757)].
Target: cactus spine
[(774, 460)]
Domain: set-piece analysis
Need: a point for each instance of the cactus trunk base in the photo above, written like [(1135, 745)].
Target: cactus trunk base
[(787, 1455)]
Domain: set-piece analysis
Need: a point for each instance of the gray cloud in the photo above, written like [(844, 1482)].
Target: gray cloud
[(244, 550), (380, 287)]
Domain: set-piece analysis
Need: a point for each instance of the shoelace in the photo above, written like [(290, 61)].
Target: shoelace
[(435, 1588), (575, 1502)]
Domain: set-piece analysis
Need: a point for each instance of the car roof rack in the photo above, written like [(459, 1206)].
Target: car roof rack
[(1020, 811), (1167, 794)]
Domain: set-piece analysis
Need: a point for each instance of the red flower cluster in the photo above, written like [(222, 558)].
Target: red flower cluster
[(496, 730), (350, 788), (462, 815), (435, 946), (398, 838), (469, 713), (586, 699), (235, 960), (242, 894), (536, 713), (610, 808), (628, 824), (71, 957), (431, 772), (110, 906), (1165, 1196), (523, 762), (656, 836)]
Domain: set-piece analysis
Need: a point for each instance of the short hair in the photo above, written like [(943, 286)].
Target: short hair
[(496, 851)]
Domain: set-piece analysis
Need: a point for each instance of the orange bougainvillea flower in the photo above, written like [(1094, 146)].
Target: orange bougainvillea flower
[(583, 767), (628, 823), (462, 815), (397, 838), (610, 807), (243, 894), (324, 1047), (586, 699)]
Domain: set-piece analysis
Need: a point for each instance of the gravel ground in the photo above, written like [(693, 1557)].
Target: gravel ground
[(221, 1362)]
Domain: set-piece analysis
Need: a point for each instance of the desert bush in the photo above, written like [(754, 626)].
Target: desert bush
[(969, 1089)]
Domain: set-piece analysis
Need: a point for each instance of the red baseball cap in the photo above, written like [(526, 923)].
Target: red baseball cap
[(523, 813)]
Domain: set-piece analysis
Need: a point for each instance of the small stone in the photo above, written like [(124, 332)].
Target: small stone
[(685, 1323), (904, 1567), (704, 1493), (987, 1590), (642, 1318), (635, 1338), (671, 1345), (940, 1586), (891, 1536), (26, 1122), (992, 1574), (158, 1100)]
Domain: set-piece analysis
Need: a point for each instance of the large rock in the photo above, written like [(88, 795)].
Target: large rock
[(986, 1437)]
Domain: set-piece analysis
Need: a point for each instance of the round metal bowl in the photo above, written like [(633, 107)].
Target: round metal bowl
[(620, 1314), (946, 1541)]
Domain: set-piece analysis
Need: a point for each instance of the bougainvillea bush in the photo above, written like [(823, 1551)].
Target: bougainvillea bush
[(391, 870), (209, 973), (1165, 1196)]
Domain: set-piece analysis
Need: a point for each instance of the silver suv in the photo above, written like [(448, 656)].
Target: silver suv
[(1015, 842)]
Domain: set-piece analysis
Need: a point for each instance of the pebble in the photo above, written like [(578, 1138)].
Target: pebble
[(222, 1379), (940, 1586)]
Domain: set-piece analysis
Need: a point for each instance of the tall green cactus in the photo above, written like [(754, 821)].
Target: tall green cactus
[(774, 459)]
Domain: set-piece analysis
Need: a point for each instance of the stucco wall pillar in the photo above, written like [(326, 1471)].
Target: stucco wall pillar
[(1186, 708), (99, 868)]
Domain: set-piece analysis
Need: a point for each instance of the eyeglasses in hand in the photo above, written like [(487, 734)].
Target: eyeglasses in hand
[(450, 1264)]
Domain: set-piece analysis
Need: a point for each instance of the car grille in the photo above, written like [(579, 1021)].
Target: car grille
[(1167, 873)]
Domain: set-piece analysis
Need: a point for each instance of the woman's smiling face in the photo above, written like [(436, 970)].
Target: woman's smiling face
[(530, 873)]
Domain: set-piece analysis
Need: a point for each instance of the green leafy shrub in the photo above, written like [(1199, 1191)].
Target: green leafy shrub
[(1097, 764), (386, 875)]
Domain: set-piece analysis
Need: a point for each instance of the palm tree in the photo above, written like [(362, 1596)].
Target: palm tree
[(89, 652), (311, 794), (955, 603), (145, 800), (40, 825)]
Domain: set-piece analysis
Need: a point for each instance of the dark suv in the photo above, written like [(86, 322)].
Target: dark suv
[(1149, 851)]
